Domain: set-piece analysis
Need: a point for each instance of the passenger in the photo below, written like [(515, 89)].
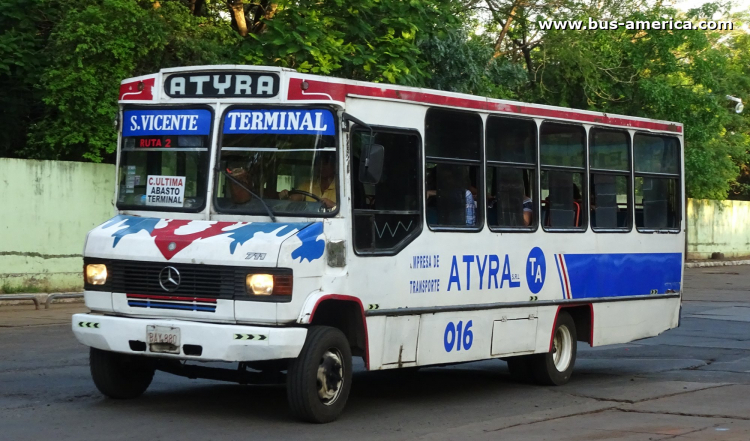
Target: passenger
[(465, 194), (577, 204), (528, 210), (323, 183)]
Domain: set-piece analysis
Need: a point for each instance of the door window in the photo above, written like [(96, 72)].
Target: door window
[(387, 215)]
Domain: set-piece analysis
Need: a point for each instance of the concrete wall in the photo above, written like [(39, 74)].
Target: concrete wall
[(718, 226), (46, 208)]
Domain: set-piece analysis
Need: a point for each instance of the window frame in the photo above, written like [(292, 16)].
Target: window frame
[(339, 158), (628, 174), (678, 176), (121, 122), (517, 165), (420, 182), (564, 168), (480, 163)]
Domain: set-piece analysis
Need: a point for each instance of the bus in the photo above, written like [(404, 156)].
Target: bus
[(285, 223)]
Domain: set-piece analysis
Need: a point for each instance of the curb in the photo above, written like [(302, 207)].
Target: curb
[(716, 263)]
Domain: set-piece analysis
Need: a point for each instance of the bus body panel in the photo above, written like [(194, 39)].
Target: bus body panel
[(622, 322)]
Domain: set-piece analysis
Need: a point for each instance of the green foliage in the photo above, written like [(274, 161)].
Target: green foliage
[(374, 40), (63, 61), (25, 32), (462, 63), (19, 289), (91, 49), (671, 75)]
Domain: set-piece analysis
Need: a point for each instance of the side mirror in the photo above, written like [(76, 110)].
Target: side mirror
[(371, 164)]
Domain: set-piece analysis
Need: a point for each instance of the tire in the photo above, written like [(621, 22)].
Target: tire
[(555, 368), (520, 368), (326, 354), (120, 376)]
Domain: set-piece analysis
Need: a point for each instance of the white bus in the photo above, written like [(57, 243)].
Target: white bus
[(288, 222)]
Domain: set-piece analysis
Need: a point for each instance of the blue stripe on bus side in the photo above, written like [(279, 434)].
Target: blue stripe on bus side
[(615, 275)]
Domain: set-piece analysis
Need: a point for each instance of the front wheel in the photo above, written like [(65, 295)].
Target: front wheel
[(319, 379), (120, 376), (555, 368)]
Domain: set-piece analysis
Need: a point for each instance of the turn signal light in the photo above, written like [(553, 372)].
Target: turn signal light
[(282, 285), (96, 274)]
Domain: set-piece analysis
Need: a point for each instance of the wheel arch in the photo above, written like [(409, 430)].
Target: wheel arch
[(345, 313), (583, 317)]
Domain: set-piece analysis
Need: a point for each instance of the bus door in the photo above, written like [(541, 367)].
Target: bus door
[(387, 216)]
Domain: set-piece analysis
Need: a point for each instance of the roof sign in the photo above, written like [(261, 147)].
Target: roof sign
[(222, 85)]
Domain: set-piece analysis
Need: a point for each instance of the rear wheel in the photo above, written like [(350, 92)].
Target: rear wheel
[(555, 368), (319, 379), (120, 376)]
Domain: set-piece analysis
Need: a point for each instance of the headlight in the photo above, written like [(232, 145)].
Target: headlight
[(96, 274), (259, 284), (269, 284)]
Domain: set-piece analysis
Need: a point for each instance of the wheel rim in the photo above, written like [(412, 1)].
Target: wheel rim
[(330, 376), (562, 348)]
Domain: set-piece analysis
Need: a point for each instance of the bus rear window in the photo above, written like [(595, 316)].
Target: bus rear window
[(164, 159)]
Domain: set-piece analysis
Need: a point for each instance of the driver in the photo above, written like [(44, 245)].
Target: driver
[(322, 185)]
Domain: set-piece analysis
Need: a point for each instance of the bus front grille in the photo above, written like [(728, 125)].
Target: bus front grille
[(134, 277)]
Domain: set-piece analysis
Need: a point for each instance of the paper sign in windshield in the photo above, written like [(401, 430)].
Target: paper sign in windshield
[(166, 122), (165, 191), (292, 122)]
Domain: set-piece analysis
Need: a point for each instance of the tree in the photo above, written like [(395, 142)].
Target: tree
[(672, 75), (64, 101), (61, 62)]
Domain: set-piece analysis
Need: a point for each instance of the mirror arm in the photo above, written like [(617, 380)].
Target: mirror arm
[(349, 118)]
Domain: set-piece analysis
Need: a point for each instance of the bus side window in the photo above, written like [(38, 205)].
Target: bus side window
[(387, 215), (511, 178), (609, 192), (657, 182), (563, 167), (453, 149)]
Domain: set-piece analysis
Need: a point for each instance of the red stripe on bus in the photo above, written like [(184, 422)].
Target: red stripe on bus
[(317, 90), (591, 322), (184, 299), (565, 275), (356, 300), (135, 91)]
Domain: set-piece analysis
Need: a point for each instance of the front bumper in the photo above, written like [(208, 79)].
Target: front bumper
[(219, 342)]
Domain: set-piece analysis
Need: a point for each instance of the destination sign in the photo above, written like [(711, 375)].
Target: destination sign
[(290, 122), (166, 122), (222, 85)]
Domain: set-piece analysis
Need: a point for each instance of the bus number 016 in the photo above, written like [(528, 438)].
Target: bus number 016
[(456, 335)]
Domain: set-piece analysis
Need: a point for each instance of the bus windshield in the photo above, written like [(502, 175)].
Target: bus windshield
[(164, 159), (286, 156)]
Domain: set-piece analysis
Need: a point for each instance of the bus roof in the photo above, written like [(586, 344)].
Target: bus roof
[(301, 87)]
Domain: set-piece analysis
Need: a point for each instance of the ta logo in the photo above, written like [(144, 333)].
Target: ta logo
[(536, 270)]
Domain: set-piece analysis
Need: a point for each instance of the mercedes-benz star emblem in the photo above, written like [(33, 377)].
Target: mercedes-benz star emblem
[(169, 278)]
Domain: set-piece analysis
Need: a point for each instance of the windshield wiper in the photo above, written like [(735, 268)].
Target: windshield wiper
[(242, 186)]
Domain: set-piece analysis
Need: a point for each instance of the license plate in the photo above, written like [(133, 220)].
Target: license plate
[(163, 339)]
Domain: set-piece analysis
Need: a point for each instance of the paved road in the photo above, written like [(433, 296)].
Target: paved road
[(689, 383)]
